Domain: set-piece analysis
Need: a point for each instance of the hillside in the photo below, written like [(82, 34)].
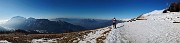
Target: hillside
[(72, 37)]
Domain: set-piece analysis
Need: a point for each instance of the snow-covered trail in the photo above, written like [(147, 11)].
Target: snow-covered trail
[(144, 33), (158, 28), (116, 37)]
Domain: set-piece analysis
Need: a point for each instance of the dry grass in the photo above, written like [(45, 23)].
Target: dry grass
[(72, 37), (62, 37)]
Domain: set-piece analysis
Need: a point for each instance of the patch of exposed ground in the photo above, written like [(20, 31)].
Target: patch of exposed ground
[(103, 36)]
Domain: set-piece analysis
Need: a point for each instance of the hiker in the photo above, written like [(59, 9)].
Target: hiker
[(114, 22)]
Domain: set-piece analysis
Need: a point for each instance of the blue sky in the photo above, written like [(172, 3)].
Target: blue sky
[(100, 9)]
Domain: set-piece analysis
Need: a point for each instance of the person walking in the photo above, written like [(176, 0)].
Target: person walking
[(114, 22)]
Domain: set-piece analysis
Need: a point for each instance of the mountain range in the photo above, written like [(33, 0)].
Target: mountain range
[(87, 23), (57, 25), (45, 25)]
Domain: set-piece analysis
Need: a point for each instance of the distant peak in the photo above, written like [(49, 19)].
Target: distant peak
[(31, 18), (18, 17)]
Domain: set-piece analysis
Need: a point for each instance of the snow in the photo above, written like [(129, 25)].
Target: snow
[(155, 12), (4, 41), (158, 28), (91, 37), (44, 40), (125, 19)]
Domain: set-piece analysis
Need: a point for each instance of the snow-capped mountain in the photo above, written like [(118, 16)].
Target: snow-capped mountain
[(19, 22), (54, 25)]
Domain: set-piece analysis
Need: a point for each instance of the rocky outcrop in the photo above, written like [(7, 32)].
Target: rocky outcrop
[(174, 7), (141, 17)]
